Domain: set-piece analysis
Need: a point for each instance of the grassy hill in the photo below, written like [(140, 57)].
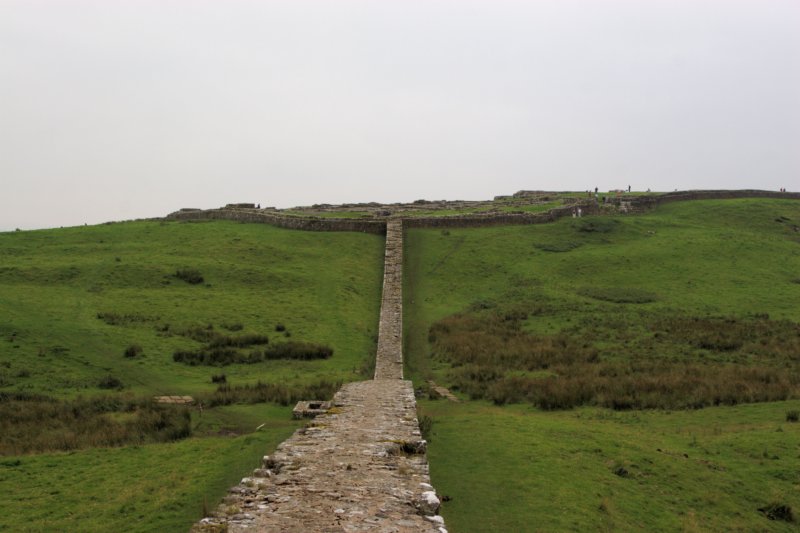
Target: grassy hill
[(632, 373), (90, 321), (582, 323)]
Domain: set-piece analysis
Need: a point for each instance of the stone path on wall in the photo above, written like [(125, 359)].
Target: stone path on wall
[(389, 361), (359, 467)]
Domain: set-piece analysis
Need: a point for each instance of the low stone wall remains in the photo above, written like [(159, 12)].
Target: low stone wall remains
[(282, 221)]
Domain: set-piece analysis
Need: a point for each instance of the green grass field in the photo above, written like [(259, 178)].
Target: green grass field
[(610, 285), (706, 285), (55, 285), (324, 287)]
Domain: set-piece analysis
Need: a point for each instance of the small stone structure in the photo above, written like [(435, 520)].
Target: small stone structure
[(180, 400), (310, 409)]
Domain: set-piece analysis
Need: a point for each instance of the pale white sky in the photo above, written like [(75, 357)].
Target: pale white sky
[(113, 109)]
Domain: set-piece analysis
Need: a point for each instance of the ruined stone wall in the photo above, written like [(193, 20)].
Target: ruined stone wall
[(359, 467), (300, 223), (503, 219), (679, 196), (389, 359)]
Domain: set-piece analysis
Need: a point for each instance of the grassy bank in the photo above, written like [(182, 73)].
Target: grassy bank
[(95, 321), (73, 301), (157, 487), (607, 311)]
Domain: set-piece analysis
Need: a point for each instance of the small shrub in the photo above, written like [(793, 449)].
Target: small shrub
[(134, 350), (110, 382), (232, 326), (620, 471), (280, 327), (425, 427), (219, 378), (189, 275), (564, 246), (777, 511), (241, 341), (597, 225), (792, 416), (303, 351)]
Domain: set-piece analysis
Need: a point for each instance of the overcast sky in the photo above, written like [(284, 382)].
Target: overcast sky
[(113, 110)]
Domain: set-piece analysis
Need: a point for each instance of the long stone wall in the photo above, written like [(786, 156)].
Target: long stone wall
[(360, 466), (389, 360), (504, 219), (282, 221), (651, 201)]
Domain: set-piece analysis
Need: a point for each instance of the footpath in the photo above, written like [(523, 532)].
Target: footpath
[(360, 466)]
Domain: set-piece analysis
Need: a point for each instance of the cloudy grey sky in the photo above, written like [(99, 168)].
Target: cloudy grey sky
[(115, 109)]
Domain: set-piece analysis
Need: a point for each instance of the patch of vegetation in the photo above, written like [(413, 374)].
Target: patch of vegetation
[(191, 276), (121, 319), (35, 424), (597, 225), (494, 358), (110, 382), (268, 392), (134, 350), (718, 332), (777, 511), (143, 488), (620, 295), (558, 247)]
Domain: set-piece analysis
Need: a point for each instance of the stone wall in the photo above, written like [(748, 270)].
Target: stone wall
[(359, 467), (282, 221), (651, 201), (499, 219), (389, 359)]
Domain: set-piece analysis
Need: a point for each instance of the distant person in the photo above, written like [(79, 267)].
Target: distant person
[(629, 188), (595, 191), (574, 213), (580, 212)]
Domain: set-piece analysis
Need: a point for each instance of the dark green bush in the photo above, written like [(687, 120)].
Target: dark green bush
[(792, 416), (133, 350), (189, 275), (303, 351), (597, 225), (110, 382), (563, 246)]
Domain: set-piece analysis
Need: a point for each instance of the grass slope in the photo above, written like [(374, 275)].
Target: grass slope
[(158, 487), (737, 258), (323, 287), (54, 283)]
